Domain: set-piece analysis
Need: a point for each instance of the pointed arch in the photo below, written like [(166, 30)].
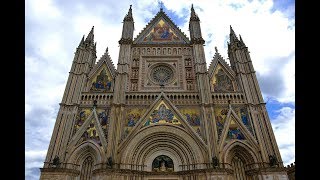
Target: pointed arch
[(240, 148), (83, 150), (239, 155)]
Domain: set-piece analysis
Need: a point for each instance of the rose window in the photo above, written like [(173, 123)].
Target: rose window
[(161, 74)]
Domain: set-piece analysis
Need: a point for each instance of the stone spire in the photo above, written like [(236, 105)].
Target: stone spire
[(127, 29), (82, 41), (129, 17), (241, 41), (194, 16), (90, 37), (233, 37), (194, 28)]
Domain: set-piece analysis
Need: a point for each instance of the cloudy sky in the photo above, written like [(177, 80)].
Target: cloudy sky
[(55, 28)]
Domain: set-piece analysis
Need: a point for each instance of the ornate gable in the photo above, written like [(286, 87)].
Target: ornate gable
[(161, 30), (102, 75), (235, 130), (222, 77), (217, 62), (91, 125)]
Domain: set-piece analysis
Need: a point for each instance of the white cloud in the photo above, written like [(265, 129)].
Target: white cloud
[(284, 129), (54, 30)]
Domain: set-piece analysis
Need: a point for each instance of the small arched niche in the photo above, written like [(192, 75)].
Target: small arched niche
[(162, 163)]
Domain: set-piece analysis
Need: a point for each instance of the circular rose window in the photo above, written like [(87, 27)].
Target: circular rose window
[(161, 74)]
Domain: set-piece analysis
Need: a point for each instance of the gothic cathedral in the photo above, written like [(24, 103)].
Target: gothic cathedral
[(162, 114)]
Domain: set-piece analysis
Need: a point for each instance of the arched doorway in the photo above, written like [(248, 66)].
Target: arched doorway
[(239, 155), (156, 140), (238, 168), (86, 169), (162, 163)]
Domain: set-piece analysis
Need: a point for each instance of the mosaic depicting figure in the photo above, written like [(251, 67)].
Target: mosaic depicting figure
[(131, 119), (80, 118), (162, 114), (193, 119), (91, 131), (161, 32), (162, 164), (234, 132), (192, 116), (223, 83), (133, 115), (220, 118), (102, 82), (243, 115), (103, 116), (91, 134)]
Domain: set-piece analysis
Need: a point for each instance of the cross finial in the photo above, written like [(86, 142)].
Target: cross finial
[(161, 5)]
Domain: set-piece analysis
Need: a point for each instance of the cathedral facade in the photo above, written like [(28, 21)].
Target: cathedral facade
[(162, 114)]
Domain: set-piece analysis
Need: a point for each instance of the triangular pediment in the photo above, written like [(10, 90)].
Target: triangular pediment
[(234, 129), (217, 62), (161, 112), (91, 125), (104, 71), (101, 80), (161, 30)]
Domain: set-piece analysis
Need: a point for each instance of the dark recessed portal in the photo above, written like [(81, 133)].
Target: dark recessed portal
[(162, 163)]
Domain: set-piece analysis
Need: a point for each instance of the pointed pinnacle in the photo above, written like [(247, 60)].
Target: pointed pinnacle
[(107, 50), (90, 36), (128, 17), (233, 36), (231, 30), (241, 39), (194, 16), (216, 49), (82, 40), (130, 10)]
